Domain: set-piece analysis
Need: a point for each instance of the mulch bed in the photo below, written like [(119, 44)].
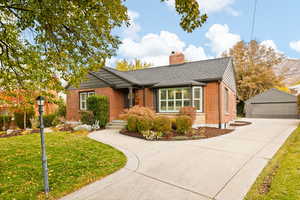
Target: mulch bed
[(17, 133), (197, 133), (240, 123)]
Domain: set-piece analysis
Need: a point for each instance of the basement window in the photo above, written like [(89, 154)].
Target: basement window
[(83, 99)]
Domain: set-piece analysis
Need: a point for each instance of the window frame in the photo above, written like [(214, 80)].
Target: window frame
[(88, 94), (183, 99), (198, 99)]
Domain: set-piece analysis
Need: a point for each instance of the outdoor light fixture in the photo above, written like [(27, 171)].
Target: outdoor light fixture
[(41, 101)]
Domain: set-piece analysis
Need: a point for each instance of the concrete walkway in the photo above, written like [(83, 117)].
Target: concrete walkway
[(221, 168)]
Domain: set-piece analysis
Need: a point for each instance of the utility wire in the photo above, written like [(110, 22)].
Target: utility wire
[(253, 20)]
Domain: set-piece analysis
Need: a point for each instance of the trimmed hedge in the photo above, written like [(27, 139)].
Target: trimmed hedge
[(162, 124), (131, 123), (143, 124), (5, 122), (19, 118), (183, 124), (99, 106)]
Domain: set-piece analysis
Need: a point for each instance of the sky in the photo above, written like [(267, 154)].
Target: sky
[(155, 31)]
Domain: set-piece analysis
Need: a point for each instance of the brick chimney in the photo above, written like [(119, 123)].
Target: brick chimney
[(176, 58)]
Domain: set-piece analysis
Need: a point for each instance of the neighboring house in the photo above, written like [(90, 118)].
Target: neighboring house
[(10, 108), (290, 69), (272, 104), (208, 85)]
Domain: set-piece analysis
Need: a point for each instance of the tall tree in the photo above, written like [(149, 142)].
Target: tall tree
[(253, 66), (124, 65), (46, 41)]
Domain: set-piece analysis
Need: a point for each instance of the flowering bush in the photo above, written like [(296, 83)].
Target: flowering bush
[(162, 124), (183, 124), (151, 135), (138, 111), (188, 111)]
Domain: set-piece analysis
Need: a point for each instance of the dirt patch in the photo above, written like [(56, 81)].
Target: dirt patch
[(196, 133), (265, 186), (240, 123)]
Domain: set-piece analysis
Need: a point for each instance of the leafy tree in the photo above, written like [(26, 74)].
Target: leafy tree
[(253, 66), (124, 65), (46, 41)]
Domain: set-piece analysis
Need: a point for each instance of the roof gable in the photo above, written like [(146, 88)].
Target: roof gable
[(272, 96)]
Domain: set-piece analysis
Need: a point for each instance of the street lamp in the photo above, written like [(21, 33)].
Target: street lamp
[(41, 101)]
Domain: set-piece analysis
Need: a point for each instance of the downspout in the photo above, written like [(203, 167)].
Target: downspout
[(219, 104), (144, 96)]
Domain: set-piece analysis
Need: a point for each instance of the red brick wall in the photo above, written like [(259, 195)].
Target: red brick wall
[(144, 101), (211, 103), (116, 102), (231, 115)]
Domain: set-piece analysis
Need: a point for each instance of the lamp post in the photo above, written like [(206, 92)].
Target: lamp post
[(40, 101)]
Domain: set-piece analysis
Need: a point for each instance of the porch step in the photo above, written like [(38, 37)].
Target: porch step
[(116, 124)]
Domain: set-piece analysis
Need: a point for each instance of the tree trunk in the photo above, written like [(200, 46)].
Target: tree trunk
[(25, 120)]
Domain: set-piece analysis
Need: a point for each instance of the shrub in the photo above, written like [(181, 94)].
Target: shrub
[(143, 124), (5, 122), (131, 123), (151, 135), (99, 106), (138, 111), (188, 111), (87, 117), (162, 124), (61, 110), (183, 124), (19, 118), (50, 120), (173, 123)]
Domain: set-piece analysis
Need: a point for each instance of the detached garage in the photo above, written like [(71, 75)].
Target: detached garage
[(272, 104)]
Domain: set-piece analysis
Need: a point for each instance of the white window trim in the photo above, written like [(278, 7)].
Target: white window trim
[(182, 100), (89, 93), (201, 98)]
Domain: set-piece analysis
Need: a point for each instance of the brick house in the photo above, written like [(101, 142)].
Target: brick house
[(208, 85)]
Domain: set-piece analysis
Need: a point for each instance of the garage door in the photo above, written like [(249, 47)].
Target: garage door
[(272, 110)]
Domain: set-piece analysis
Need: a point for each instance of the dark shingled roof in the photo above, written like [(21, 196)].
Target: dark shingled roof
[(273, 96), (192, 73)]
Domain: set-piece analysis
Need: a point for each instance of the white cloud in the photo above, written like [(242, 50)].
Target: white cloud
[(132, 30), (156, 48), (295, 45), (221, 39), (269, 44), (211, 6)]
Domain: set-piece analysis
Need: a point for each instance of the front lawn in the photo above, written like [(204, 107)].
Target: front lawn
[(74, 160), (280, 179)]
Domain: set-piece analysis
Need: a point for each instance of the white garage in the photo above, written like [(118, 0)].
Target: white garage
[(272, 104)]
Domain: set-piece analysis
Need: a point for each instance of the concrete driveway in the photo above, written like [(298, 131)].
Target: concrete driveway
[(222, 168)]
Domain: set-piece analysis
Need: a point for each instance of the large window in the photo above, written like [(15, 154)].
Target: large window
[(172, 99), (198, 98), (83, 97)]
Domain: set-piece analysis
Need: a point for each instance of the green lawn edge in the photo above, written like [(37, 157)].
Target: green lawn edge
[(282, 173), (74, 161)]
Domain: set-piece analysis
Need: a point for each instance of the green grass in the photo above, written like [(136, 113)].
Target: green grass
[(74, 160), (282, 174)]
